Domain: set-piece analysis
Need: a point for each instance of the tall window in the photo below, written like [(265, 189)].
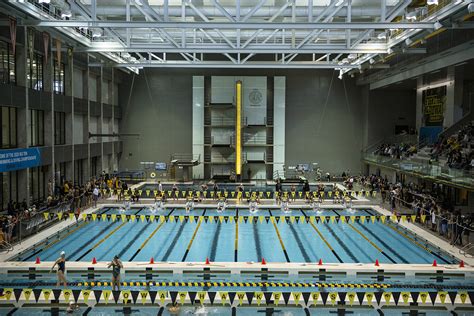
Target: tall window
[(8, 132), (9, 181), (59, 128), (58, 77), (38, 185), (7, 63), (35, 72), (36, 128), (79, 171)]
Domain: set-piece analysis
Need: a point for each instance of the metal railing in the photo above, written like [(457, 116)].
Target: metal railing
[(37, 222), (432, 170)]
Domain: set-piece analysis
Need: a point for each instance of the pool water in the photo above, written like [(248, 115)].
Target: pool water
[(237, 240)]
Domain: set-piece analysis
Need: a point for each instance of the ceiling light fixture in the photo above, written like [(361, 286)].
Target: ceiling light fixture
[(408, 42), (382, 36), (96, 32), (470, 8), (411, 16), (44, 1), (437, 25), (432, 2), (66, 14)]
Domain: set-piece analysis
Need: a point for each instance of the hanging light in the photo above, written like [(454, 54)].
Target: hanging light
[(411, 16), (382, 36), (432, 2), (66, 14), (44, 1), (96, 32), (437, 25), (408, 42)]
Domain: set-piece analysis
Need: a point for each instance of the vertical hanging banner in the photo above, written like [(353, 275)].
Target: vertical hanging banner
[(58, 52), (45, 46), (434, 102), (12, 22)]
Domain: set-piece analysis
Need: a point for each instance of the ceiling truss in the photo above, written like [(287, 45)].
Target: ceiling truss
[(338, 35)]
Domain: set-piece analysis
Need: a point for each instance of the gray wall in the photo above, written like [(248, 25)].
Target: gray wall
[(387, 108), (328, 133), (160, 109)]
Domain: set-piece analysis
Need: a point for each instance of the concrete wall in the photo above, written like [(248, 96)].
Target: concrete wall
[(387, 108), (159, 108)]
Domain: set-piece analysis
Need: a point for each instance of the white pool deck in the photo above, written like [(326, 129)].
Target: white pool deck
[(237, 267)]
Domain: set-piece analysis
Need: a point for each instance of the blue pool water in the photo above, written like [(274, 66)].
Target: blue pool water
[(240, 242)]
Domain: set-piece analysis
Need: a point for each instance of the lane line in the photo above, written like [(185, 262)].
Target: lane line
[(84, 245), (417, 243), (61, 237), (56, 241), (367, 239), (146, 241), (236, 242), (324, 239), (279, 238), (192, 238), (383, 243)]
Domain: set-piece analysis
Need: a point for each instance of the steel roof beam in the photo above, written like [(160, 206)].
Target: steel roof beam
[(230, 25)]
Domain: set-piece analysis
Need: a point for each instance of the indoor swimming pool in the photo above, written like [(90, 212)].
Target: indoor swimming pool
[(235, 235)]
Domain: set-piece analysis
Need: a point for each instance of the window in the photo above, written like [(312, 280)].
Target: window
[(58, 78), (94, 166), (9, 181), (78, 171), (59, 128), (38, 186), (36, 128), (8, 132), (60, 173), (35, 72), (7, 63)]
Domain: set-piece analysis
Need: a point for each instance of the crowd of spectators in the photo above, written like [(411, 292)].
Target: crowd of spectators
[(430, 203), (457, 149), (65, 196), (399, 151)]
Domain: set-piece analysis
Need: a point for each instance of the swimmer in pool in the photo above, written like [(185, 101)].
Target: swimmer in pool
[(116, 265), (61, 263)]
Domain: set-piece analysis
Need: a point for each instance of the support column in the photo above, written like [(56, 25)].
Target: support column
[(198, 124), (100, 121), (238, 130), (51, 84), (450, 96), (70, 174), (279, 124), (419, 103), (112, 122), (23, 124)]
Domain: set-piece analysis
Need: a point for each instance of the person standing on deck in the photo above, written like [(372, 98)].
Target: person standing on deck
[(61, 263), (116, 265)]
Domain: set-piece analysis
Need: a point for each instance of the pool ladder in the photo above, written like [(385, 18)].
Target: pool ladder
[(464, 250)]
